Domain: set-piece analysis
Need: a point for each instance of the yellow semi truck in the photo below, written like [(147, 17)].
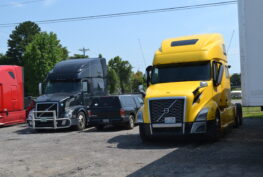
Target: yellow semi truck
[(188, 90)]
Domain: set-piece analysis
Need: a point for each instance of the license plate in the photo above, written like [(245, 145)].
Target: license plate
[(43, 120), (170, 120), (105, 120)]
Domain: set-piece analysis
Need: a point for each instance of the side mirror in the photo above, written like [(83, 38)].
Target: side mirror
[(220, 75), (40, 88), (214, 72), (141, 90), (145, 76), (148, 75)]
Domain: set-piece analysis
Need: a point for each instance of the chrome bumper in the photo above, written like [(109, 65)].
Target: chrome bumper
[(33, 122)]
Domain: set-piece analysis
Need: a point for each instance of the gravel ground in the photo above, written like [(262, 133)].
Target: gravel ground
[(115, 152)]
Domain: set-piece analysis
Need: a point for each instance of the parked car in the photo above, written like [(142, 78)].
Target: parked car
[(236, 94), (117, 110)]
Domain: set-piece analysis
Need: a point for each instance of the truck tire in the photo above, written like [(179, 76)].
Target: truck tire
[(130, 124), (237, 120), (239, 113), (144, 136), (81, 121), (214, 133)]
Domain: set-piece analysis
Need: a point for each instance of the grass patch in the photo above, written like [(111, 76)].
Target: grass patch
[(235, 89), (252, 112)]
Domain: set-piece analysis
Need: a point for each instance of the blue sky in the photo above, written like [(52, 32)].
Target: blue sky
[(120, 35)]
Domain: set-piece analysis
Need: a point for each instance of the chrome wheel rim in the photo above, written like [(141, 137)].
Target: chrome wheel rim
[(131, 122), (81, 120)]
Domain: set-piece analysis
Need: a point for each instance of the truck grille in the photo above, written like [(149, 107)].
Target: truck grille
[(46, 107), (161, 108)]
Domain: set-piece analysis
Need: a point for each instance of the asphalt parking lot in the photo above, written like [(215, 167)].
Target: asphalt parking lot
[(116, 152)]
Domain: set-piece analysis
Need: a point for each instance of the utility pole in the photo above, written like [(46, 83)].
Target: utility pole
[(84, 50)]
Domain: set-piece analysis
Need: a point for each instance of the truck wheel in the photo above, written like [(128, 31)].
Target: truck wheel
[(99, 127), (130, 124), (237, 120), (81, 121), (239, 113), (215, 132), (144, 137)]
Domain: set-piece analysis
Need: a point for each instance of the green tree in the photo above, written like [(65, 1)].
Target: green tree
[(40, 57), (137, 79), (3, 59), (78, 56), (124, 70), (19, 39), (235, 80), (100, 55), (113, 82)]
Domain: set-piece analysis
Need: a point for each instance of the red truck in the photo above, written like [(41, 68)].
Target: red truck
[(11, 95)]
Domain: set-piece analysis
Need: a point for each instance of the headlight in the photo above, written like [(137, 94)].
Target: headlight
[(139, 117), (30, 114), (68, 113), (202, 115)]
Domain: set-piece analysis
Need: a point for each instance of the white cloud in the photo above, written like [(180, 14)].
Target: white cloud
[(28, 2), (49, 2), (15, 4)]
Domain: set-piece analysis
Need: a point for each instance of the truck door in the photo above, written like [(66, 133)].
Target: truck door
[(219, 87), (14, 101), (1, 105), (223, 96)]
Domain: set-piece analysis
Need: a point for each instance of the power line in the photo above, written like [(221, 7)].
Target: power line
[(230, 42), (126, 13), (139, 41), (84, 50), (20, 3)]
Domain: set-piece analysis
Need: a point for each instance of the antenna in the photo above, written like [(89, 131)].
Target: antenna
[(139, 41), (230, 42)]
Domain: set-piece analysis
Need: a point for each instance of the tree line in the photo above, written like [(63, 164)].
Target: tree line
[(38, 52)]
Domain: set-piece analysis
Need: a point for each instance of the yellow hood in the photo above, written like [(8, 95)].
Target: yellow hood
[(172, 89)]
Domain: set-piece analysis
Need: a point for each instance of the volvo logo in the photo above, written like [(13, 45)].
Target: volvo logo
[(166, 110)]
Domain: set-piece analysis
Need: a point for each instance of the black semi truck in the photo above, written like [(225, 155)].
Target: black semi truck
[(68, 90)]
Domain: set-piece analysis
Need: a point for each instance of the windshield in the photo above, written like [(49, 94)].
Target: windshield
[(63, 86), (181, 72)]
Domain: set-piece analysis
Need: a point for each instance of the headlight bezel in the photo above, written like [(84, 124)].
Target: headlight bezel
[(68, 113), (139, 117), (30, 114), (202, 115)]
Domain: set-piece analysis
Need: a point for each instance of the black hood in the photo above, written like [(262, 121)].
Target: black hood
[(56, 97)]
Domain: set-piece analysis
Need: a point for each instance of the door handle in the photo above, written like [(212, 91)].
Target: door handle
[(6, 111)]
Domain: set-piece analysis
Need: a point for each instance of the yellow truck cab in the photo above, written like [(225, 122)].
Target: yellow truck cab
[(188, 89)]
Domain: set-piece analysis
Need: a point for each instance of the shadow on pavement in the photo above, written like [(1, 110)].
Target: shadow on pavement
[(131, 141), (238, 154), (106, 129), (26, 130)]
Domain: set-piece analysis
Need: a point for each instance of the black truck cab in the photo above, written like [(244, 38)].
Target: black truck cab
[(68, 90)]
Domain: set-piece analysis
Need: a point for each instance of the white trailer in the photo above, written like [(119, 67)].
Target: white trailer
[(251, 51)]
